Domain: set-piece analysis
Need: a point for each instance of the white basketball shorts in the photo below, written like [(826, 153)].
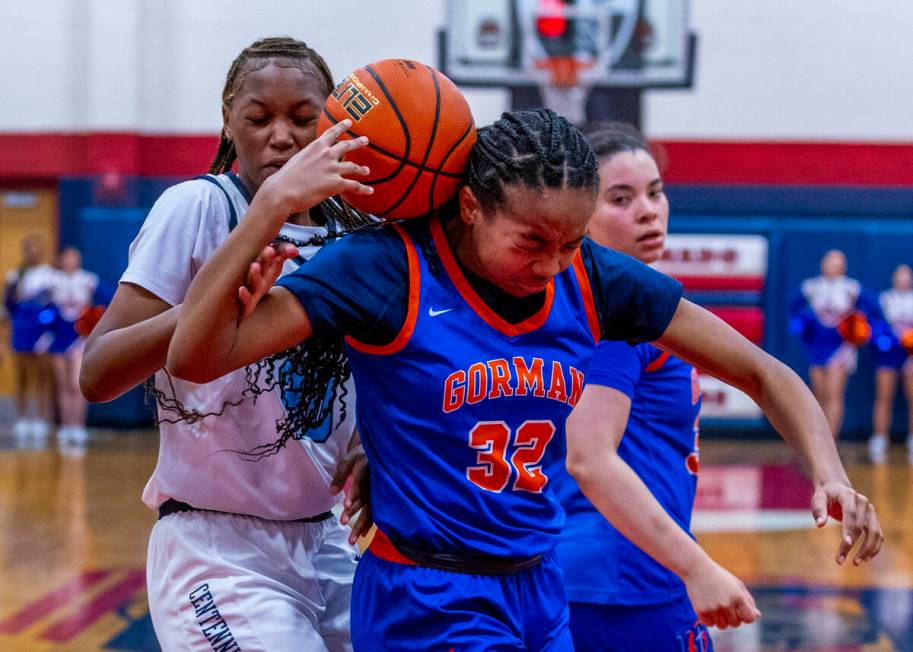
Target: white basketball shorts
[(230, 582)]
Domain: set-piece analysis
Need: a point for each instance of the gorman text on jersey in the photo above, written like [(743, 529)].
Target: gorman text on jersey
[(500, 378)]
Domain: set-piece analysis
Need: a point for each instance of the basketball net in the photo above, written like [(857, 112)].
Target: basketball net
[(563, 91)]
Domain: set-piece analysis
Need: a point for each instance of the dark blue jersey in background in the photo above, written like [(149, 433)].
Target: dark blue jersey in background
[(660, 444)]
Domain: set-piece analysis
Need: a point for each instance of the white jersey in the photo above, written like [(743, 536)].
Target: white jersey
[(897, 308), (73, 293), (198, 463), (831, 299), (35, 282)]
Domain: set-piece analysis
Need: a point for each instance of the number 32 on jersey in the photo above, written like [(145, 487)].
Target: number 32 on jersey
[(499, 457)]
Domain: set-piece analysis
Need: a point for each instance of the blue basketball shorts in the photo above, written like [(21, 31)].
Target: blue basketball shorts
[(670, 627), (402, 608), (894, 358)]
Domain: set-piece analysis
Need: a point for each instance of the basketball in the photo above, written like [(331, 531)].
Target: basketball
[(420, 130)]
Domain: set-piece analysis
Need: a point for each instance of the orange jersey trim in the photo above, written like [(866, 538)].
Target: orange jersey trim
[(587, 292), (475, 301), (382, 547), (658, 362), (405, 333)]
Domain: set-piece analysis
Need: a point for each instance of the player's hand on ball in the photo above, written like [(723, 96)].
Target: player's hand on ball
[(860, 522), (354, 466), (719, 597), (318, 171), (262, 274)]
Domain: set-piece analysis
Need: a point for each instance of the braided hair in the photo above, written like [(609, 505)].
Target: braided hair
[(311, 375), (536, 149)]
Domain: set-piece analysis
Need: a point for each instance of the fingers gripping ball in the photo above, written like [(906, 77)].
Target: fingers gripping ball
[(855, 329), (420, 130)]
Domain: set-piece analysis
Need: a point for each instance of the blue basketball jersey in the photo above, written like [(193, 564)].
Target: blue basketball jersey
[(462, 412), (660, 444)]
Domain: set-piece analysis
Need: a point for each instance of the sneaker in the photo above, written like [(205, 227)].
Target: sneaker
[(40, 429), (79, 435), (878, 449), (72, 435), (22, 429)]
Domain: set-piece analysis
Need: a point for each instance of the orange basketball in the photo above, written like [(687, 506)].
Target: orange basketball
[(420, 130)]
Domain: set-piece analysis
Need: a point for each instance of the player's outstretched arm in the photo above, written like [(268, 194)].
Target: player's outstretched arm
[(710, 344), (211, 338), (594, 430), (128, 344), (130, 341)]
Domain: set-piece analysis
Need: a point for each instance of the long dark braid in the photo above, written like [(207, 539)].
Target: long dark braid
[(537, 149), (318, 368)]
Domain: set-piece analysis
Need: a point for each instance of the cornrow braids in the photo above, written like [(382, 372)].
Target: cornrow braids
[(254, 57), (537, 149)]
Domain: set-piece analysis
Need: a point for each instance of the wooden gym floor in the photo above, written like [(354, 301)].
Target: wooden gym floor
[(73, 539)]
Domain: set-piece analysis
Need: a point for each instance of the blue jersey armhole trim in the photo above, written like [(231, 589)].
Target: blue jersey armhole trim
[(235, 179), (232, 214)]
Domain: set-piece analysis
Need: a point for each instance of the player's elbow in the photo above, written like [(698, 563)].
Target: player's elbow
[(90, 387), (92, 392), (191, 372), (91, 379), (580, 460), (188, 367)]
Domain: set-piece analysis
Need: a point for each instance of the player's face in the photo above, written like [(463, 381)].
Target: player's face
[(523, 244), (273, 116), (632, 211), (32, 250), (70, 260), (833, 265), (903, 279)]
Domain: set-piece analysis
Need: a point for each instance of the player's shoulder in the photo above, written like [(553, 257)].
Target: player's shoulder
[(381, 236), (810, 285), (193, 206), (42, 271), (201, 191), (87, 277), (610, 263), (853, 285)]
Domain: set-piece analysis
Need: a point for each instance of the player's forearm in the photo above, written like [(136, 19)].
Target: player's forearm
[(710, 344), (207, 327), (120, 359), (626, 502), (797, 416)]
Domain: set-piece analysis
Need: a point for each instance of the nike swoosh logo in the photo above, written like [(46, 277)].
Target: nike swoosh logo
[(434, 313)]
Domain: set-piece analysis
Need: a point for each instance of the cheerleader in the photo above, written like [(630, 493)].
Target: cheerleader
[(74, 292), (893, 344), (830, 317), (26, 296)]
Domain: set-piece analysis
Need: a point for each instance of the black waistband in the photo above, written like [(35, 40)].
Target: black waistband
[(172, 506), (468, 564)]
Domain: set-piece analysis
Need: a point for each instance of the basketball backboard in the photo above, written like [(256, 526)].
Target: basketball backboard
[(610, 43)]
